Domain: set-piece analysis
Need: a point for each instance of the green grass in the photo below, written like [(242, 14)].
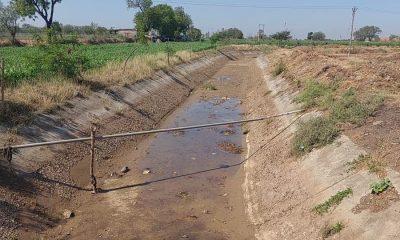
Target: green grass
[(345, 108), (315, 133), (334, 200), (333, 229), (381, 186), (316, 94), (19, 66), (349, 108)]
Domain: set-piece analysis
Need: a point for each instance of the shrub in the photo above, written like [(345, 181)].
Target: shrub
[(381, 186), (332, 230), (333, 201), (350, 109), (316, 94), (315, 133), (58, 59)]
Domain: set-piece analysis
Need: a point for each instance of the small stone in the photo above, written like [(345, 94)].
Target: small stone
[(185, 236), (68, 214), (125, 169), (146, 171), (206, 211), (377, 123), (225, 195)]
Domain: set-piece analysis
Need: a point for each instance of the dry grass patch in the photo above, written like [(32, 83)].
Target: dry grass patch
[(43, 96), (116, 73)]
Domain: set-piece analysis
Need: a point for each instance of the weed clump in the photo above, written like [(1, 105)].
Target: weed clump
[(381, 186), (316, 94), (332, 230), (350, 109), (313, 134), (345, 108), (279, 69), (210, 87), (335, 200)]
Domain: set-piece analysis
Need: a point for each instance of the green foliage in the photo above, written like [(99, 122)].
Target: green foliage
[(332, 230), (381, 186), (314, 133), (334, 200), (316, 94), (194, 34), (360, 160), (31, 8), (9, 18), (316, 36), (279, 69), (231, 33), (283, 35), (170, 23), (58, 59), (349, 108), (367, 33), (21, 66), (209, 87)]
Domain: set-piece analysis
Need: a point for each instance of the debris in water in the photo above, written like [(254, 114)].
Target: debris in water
[(230, 148), (125, 170), (228, 132), (146, 171), (183, 195)]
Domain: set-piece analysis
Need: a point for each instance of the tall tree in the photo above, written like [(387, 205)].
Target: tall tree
[(32, 8), (183, 20), (143, 5), (9, 21), (367, 33)]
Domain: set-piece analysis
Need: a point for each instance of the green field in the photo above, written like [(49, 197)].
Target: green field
[(20, 61)]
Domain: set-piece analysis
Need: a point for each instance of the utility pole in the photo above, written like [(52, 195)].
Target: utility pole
[(352, 29)]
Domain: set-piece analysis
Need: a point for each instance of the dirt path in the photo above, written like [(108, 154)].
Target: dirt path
[(193, 190)]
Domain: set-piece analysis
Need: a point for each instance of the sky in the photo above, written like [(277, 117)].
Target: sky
[(333, 17)]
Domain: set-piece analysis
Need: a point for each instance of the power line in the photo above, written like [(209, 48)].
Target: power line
[(299, 7)]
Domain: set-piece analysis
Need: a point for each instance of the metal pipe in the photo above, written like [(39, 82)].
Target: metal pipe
[(121, 135)]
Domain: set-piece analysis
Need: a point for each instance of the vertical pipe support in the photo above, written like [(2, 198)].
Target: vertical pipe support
[(93, 179)]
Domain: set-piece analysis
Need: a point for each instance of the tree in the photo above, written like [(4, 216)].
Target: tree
[(9, 21), (316, 36), (162, 18), (32, 8), (194, 34), (367, 33), (183, 21), (168, 22), (283, 35), (143, 5), (231, 33)]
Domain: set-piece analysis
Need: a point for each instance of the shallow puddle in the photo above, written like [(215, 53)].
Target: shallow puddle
[(196, 150)]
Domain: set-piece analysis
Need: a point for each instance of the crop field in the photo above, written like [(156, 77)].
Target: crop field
[(21, 63)]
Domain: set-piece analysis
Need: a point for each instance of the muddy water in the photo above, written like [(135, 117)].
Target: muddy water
[(197, 150), (193, 190)]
